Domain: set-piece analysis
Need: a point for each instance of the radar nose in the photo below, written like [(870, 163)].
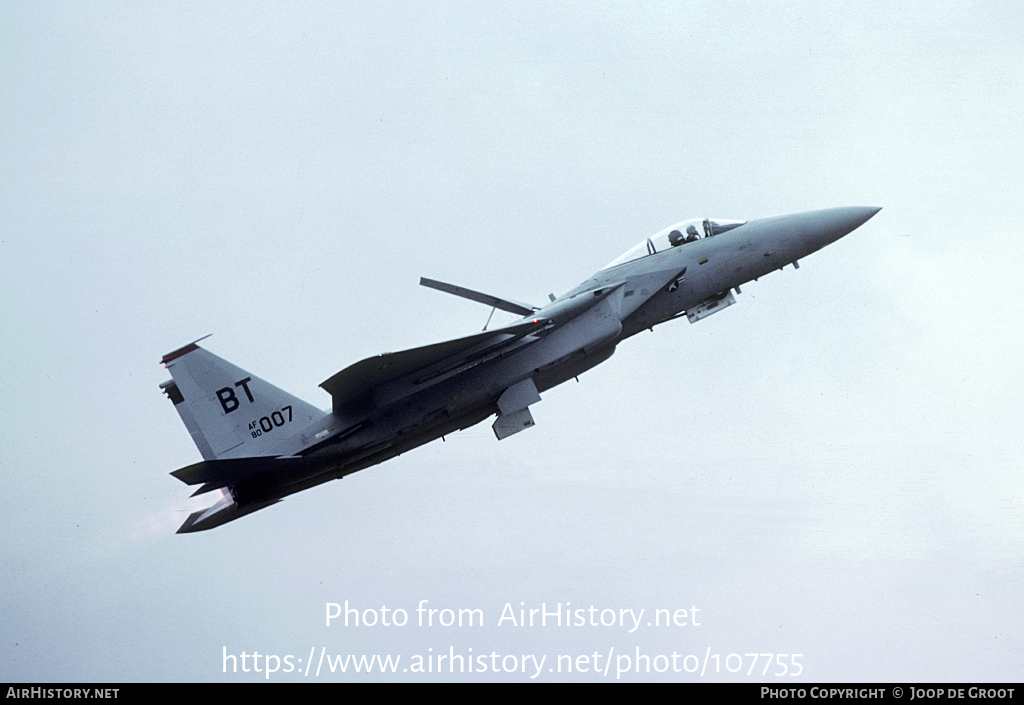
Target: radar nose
[(851, 218), (826, 226), (861, 214)]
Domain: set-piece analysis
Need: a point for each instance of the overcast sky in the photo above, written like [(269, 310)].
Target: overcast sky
[(831, 468)]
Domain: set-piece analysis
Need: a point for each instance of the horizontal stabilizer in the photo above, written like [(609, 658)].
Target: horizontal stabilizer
[(479, 297), (213, 474), (220, 513)]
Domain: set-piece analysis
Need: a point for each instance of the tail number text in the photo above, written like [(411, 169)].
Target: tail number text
[(266, 424)]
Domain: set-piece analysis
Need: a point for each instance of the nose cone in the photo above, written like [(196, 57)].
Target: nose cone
[(820, 228), (849, 219)]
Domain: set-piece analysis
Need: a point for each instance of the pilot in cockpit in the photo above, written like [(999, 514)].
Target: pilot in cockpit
[(676, 238)]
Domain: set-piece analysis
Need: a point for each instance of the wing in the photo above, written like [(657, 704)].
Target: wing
[(515, 307), (363, 385)]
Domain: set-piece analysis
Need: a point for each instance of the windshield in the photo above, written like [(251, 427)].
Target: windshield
[(676, 235)]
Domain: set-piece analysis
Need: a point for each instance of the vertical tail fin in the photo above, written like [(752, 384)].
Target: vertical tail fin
[(231, 413)]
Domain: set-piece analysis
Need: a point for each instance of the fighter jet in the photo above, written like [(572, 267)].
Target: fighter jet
[(260, 444)]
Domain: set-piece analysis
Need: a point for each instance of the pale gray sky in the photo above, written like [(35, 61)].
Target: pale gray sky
[(830, 468)]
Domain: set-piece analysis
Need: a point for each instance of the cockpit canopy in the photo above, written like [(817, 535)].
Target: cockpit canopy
[(675, 236)]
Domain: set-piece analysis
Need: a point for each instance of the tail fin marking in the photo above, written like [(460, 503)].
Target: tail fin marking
[(230, 412)]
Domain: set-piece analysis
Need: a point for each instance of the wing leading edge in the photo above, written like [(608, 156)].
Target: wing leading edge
[(352, 389), (515, 307)]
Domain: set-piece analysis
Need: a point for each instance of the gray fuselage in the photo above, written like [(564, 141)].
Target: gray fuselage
[(575, 332)]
